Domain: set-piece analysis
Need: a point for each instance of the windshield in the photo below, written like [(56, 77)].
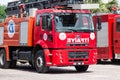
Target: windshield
[(73, 22)]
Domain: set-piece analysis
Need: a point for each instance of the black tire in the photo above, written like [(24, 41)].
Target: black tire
[(99, 61), (30, 62), (40, 64), (13, 63), (81, 68), (115, 61), (3, 62)]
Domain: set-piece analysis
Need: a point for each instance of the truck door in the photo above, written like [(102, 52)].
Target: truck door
[(43, 29), (116, 37), (47, 30), (37, 28)]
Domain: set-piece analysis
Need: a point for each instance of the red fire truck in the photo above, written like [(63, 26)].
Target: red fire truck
[(54, 34), (108, 40)]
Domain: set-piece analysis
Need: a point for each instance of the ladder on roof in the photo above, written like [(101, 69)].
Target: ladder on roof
[(14, 8)]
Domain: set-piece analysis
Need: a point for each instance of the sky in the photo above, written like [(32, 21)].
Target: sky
[(5, 2)]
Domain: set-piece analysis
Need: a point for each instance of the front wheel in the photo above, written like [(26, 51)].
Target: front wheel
[(81, 68), (13, 63), (3, 62), (40, 63)]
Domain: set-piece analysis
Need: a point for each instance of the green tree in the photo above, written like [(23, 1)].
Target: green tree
[(104, 7), (2, 11), (114, 2), (95, 1)]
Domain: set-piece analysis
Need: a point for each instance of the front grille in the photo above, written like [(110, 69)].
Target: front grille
[(78, 60), (76, 44), (78, 54)]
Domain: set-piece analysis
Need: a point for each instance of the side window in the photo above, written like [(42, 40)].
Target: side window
[(46, 22), (38, 20), (118, 25)]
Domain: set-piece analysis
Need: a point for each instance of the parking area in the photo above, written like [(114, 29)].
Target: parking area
[(106, 71)]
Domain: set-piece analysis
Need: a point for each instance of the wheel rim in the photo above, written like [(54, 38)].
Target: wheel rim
[(1, 59), (39, 62)]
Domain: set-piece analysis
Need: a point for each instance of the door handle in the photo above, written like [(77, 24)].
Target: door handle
[(116, 41), (41, 36)]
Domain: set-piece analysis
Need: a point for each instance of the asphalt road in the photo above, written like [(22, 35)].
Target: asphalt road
[(95, 72)]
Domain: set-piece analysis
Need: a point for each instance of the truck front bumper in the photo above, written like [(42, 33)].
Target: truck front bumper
[(72, 57)]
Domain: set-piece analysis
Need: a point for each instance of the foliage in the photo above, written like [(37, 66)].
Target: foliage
[(105, 7), (110, 4), (2, 11)]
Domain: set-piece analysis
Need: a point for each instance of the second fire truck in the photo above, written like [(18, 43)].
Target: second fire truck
[(108, 39)]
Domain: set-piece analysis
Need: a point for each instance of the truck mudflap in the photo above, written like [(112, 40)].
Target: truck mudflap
[(71, 57)]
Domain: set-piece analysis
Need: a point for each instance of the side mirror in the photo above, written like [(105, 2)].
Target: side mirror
[(99, 26), (49, 23)]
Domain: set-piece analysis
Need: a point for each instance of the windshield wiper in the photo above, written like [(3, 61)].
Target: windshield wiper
[(85, 30), (67, 30), (73, 30)]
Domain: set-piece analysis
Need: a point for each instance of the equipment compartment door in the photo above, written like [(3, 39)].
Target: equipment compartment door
[(116, 35)]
